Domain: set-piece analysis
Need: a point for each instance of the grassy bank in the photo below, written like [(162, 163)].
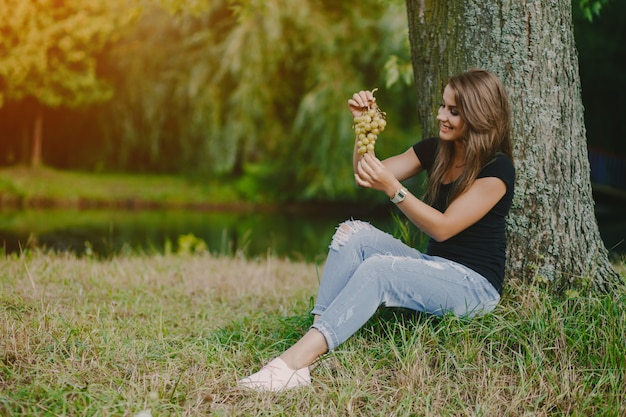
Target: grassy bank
[(81, 336), (39, 187), (22, 188)]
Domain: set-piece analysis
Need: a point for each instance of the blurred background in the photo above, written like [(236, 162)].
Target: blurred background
[(251, 104)]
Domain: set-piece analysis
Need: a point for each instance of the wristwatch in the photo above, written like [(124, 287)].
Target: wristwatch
[(400, 196)]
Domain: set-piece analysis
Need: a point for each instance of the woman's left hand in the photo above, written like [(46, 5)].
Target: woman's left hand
[(372, 173)]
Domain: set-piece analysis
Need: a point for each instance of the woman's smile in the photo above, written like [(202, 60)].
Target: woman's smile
[(450, 122)]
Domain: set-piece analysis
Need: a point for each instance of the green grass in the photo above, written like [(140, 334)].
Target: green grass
[(85, 336), (46, 186)]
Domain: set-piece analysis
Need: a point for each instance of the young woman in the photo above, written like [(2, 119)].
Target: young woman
[(470, 189)]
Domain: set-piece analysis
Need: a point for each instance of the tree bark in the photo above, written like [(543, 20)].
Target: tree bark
[(552, 230)]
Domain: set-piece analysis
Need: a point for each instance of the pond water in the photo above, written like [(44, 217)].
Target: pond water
[(303, 236), (298, 236)]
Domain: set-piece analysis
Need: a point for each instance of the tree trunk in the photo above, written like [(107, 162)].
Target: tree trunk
[(36, 159), (26, 136), (552, 230)]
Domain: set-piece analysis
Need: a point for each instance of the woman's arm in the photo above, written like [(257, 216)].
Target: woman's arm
[(463, 212), (404, 165)]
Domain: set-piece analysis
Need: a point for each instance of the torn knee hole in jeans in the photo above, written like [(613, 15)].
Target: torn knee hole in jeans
[(345, 230)]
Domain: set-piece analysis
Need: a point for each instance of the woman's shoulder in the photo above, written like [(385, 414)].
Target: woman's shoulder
[(426, 150), (500, 166), (428, 143)]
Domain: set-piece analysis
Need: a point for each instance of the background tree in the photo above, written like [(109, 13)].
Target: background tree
[(237, 89), (553, 233), (48, 53)]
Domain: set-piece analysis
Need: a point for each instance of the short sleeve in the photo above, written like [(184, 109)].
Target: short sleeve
[(426, 150), (500, 167)]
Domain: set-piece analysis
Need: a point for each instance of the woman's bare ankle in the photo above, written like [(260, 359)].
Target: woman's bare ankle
[(289, 361), (306, 351)]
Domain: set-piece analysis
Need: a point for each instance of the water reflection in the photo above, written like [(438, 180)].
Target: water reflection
[(297, 236)]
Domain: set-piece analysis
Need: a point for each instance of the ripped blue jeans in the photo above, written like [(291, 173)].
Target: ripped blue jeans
[(367, 268)]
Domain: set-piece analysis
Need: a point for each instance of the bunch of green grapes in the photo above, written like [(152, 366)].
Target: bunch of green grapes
[(367, 126)]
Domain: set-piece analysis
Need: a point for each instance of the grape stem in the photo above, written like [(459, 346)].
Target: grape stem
[(373, 91)]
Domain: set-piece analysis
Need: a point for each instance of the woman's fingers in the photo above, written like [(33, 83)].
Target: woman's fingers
[(362, 99), (361, 175), (373, 172), (368, 169), (372, 163)]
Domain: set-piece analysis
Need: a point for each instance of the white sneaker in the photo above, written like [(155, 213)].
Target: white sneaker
[(276, 376)]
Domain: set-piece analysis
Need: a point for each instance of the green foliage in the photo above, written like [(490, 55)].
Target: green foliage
[(68, 188), (407, 232), (591, 8), (191, 245), (398, 70), (223, 85), (252, 186), (48, 50)]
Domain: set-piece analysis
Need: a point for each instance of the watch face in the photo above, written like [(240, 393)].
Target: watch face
[(400, 195)]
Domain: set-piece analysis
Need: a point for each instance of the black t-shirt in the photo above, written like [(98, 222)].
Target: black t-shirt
[(482, 246)]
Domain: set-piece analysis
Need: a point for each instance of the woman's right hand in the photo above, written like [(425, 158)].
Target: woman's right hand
[(361, 101)]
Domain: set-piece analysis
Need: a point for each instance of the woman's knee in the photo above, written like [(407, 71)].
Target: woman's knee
[(375, 270), (346, 230)]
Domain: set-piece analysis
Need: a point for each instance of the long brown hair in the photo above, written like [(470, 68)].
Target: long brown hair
[(484, 107)]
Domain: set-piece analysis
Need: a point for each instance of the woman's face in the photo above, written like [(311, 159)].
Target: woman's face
[(451, 125)]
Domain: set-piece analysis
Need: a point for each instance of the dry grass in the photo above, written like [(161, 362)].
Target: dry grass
[(81, 336)]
